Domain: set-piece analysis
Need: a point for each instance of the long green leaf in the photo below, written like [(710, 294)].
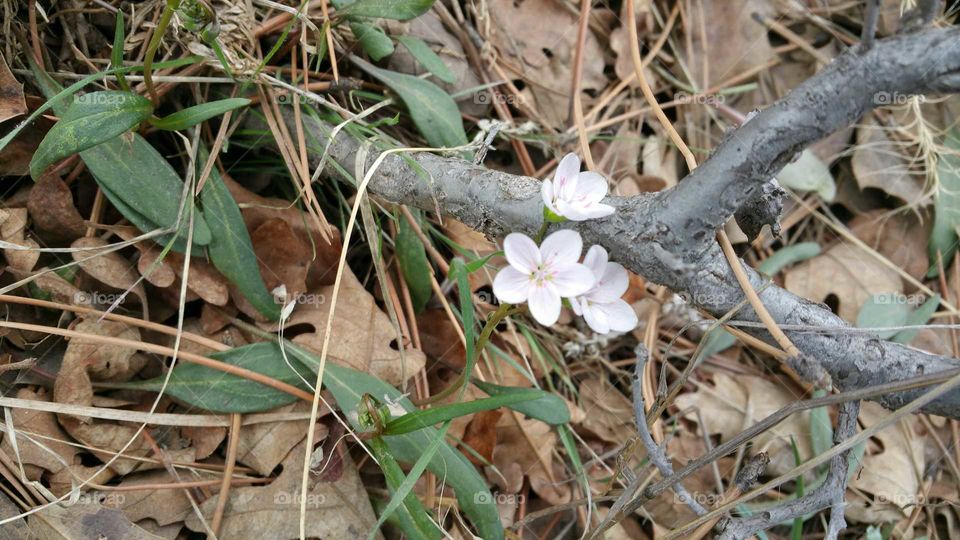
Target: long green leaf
[(943, 237), (216, 391), (231, 250), (192, 116), (134, 172), (413, 264), (116, 55), (413, 421), (91, 119), (429, 59), (433, 110), (377, 44), (920, 316), (547, 407), (400, 10), (401, 494), (349, 385)]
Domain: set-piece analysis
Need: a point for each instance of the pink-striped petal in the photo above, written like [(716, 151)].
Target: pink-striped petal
[(561, 248), (511, 286), (521, 252), (545, 304)]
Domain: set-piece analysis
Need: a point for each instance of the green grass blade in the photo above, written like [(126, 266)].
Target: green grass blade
[(192, 116)]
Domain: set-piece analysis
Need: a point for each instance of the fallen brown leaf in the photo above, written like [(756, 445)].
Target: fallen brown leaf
[(52, 210), (12, 103)]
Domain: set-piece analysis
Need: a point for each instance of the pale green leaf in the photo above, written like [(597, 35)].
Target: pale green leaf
[(429, 59), (192, 116)]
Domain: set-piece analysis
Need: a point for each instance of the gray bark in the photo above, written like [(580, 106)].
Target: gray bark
[(668, 237)]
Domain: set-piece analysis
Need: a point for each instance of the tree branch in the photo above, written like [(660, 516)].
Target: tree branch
[(667, 237)]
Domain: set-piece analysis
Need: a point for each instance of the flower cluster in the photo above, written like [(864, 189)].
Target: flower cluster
[(544, 275)]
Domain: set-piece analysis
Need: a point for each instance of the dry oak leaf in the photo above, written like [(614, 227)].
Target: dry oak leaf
[(667, 510), (43, 428), (338, 509), (892, 467), (85, 359), (362, 333), (263, 446), (108, 268), (900, 237), (879, 162), (607, 412), (283, 258), (12, 103), (544, 58), (202, 279), (52, 210), (256, 210), (481, 436), (734, 404), (745, 43), (525, 448), (84, 521), (13, 229), (165, 506), (848, 273)]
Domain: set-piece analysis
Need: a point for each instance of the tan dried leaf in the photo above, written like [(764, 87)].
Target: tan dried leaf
[(57, 522), (848, 273), (12, 103), (108, 268), (607, 412), (335, 509), (362, 333), (900, 237), (734, 404), (13, 229), (879, 162), (52, 210), (525, 447)]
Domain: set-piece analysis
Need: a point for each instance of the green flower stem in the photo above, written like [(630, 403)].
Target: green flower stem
[(542, 231), (502, 312), (154, 44)]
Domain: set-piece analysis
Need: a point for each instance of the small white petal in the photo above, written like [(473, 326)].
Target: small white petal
[(575, 303), (619, 315), (591, 186), (561, 247), (511, 285), (569, 210), (572, 279), (595, 211), (596, 260), (546, 193), (566, 176), (596, 319), (522, 253), (611, 285), (545, 304)]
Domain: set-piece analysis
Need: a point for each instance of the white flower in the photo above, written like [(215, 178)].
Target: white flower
[(575, 195), (602, 306), (544, 275)]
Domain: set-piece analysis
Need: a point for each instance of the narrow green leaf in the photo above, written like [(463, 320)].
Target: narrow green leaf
[(796, 531), (400, 10), (821, 430), (221, 392), (192, 116), (402, 494), (133, 172), (880, 310), (919, 317), (413, 421), (433, 110), (943, 237), (808, 173), (231, 250), (547, 407), (91, 119), (429, 59), (373, 40), (413, 264), (116, 55), (473, 497)]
